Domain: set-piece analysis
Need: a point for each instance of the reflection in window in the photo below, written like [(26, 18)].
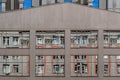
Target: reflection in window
[(84, 39), (58, 69), (16, 68), (113, 5), (50, 65), (118, 68), (50, 39), (111, 66), (14, 39), (5, 57), (6, 69), (40, 69), (112, 39), (106, 69), (83, 65), (14, 65)]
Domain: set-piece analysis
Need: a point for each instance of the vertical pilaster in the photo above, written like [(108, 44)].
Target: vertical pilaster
[(67, 54), (32, 54), (100, 53)]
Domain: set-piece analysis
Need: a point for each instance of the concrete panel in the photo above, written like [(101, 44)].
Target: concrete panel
[(103, 4), (44, 2), (60, 1), (35, 3)]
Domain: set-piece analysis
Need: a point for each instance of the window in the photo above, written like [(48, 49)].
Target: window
[(8, 5), (77, 57), (113, 5), (6, 69), (15, 57), (105, 57), (55, 39), (77, 67), (21, 5), (6, 41), (50, 39), (58, 69), (47, 2), (62, 57), (83, 65), (3, 7), (84, 39), (58, 57), (40, 40), (84, 68), (117, 57), (16, 4), (40, 69), (83, 57), (5, 57), (111, 39), (111, 65), (40, 57), (118, 68), (50, 66), (105, 69), (14, 66), (14, 39), (25, 39), (96, 69)]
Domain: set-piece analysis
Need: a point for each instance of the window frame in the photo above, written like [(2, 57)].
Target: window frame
[(60, 62), (50, 33), (80, 45)]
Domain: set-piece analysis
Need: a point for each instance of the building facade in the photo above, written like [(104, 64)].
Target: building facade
[(62, 42), (10, 5)]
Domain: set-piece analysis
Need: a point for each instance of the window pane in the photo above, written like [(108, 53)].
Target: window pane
[(83, 39), (14, 66), (112, 39), (50, 65), (14, 39), (86, 66), (50, 39), (111, 66)]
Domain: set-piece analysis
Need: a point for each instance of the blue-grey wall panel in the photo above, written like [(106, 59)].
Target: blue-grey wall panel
[(67, 0), (0, 5), (27, 4), (96, 3)]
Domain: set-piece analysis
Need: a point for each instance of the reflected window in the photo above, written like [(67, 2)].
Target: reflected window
[(50, 66), (84, 65), (112, 39), (14, 65), (50, 39), (111, 65), (83, 39)]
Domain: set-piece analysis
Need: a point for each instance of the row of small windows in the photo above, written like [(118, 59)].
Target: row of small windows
[(14, 65), (9, 5), (50, 39), (81, 65), (56, 39)]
